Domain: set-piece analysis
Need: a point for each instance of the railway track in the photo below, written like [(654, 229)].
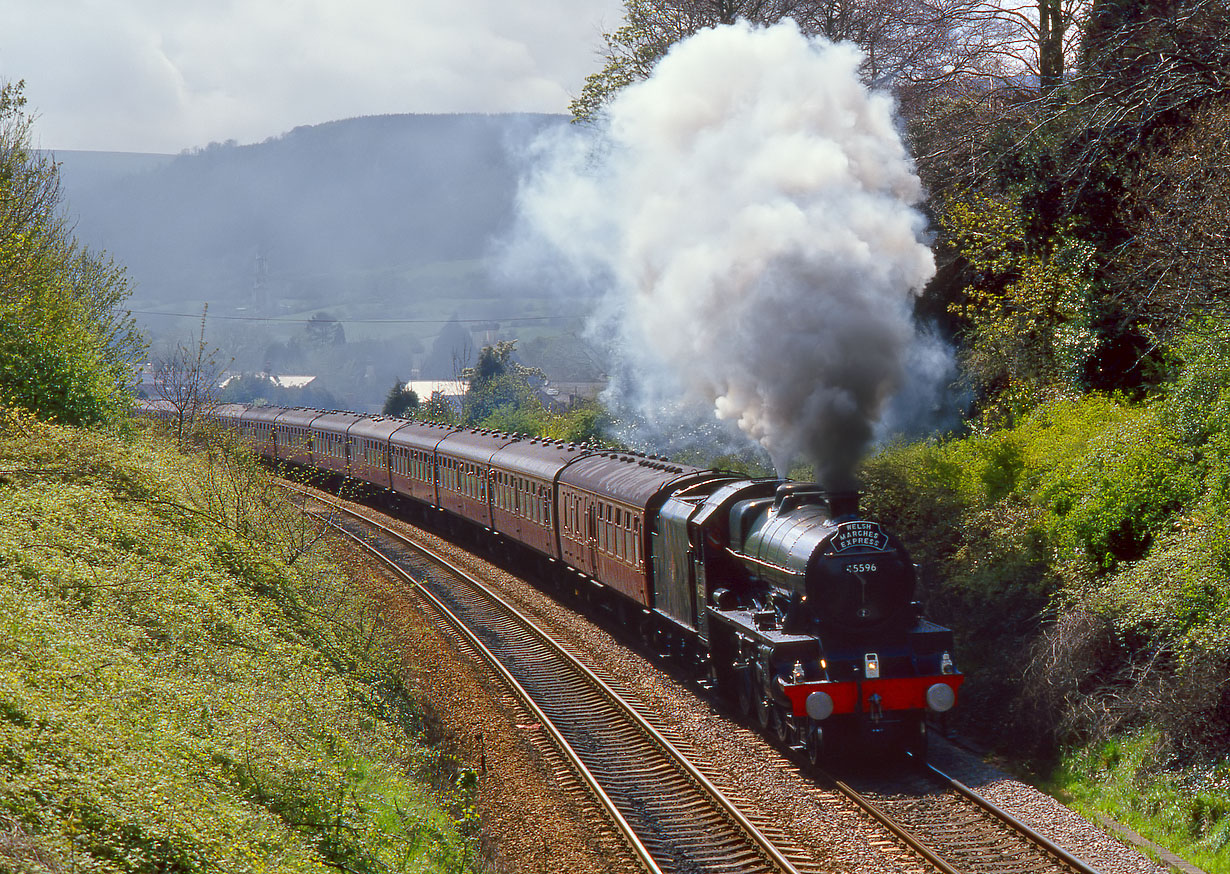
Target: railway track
[(956, 830), (671, 816)]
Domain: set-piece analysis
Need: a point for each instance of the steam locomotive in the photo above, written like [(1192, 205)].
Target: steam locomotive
[(800, 610)]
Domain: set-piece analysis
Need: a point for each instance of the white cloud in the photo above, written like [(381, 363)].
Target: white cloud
[(164, 75)]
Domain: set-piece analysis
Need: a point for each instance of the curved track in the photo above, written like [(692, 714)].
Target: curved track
[(672, 817)]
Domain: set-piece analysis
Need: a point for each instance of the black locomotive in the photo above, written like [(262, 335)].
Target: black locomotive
[(801, 611)]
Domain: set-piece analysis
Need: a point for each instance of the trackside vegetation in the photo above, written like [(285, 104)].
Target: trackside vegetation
[(189, 683), (1083, 554)]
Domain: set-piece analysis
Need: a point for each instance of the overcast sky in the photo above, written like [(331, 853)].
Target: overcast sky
[(166, 75)]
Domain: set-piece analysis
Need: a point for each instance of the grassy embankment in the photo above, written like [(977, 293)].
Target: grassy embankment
[(1083, 554), (187, 684)]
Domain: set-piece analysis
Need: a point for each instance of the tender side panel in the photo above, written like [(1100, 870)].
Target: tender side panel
[(674, 563)]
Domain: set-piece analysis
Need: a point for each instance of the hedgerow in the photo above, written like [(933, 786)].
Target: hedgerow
[(176, 696)]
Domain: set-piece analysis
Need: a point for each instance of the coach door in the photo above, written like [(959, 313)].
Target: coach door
[(591, 537)]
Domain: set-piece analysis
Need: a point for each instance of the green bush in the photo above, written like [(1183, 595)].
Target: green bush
[(1090, 535)]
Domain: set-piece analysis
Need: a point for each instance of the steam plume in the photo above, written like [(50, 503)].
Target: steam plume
[(750, 208)]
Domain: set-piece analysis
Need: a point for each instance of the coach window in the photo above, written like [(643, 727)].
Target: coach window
[(619, 534), (636, 540)]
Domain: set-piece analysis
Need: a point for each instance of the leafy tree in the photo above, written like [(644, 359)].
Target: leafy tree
[(440, 409), (1026, 307), (498, 381), (586, 422), (400, 401), (918, 47), (67, 350)]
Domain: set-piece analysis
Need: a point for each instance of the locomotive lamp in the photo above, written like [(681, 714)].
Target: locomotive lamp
[(946, 664), (871, 666)]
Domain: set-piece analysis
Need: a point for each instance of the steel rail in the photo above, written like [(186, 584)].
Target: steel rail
[(911, 840), (1074, 862), (626, 831), (772, 854)]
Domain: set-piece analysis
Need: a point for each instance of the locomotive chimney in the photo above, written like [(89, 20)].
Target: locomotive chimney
[(842, 503), (789, 495)]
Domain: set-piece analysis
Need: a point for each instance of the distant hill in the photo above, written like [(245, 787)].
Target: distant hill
[(382, 211)]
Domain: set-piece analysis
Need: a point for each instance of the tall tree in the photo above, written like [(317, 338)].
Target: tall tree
[(67, 348), (914, 46), (498, 382)]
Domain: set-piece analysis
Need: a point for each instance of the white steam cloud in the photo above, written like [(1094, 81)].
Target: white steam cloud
[(750, 208)]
